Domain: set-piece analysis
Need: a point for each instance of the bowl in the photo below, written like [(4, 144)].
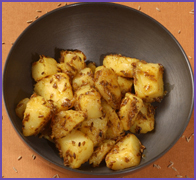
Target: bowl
[(99, 29)]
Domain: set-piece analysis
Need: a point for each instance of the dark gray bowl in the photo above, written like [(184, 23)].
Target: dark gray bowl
[(98, 29)]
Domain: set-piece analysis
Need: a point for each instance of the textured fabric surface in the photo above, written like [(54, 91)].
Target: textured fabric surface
[(175, 16)]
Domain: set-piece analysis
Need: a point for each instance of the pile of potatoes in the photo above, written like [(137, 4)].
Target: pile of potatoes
[(93, 113)]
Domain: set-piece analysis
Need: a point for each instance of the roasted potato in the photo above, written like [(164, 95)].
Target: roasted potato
[(144, 121), (88, 111), (107, 84), (92, 66), (148, 81), (57, 88), (75, 148), (72, 62), (115, 127), (84, 77), (95, 129), (125, 85), (64, 121), (129, 109), (126, 153), (100, 152), (20, 108), (123, 66), (67, 69), (37, 114), (46, 132), (88, 99), (44, 67)]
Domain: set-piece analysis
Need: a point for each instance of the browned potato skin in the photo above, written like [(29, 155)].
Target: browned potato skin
[(20, 108), (64, 121), (100, 152), (148, 81), (107, 85), (123, 66), (145, 120)]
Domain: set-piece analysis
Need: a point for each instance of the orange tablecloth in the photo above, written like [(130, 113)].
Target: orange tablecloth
[(175, 16)]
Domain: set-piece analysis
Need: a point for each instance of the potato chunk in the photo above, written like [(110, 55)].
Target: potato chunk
[(126, 153), (125, 85), (46, 66), (129, 109), (64, 121), (100, 152), (115, 127), (107, 84), (123, 66), (144, 121), (20, 108), (67, 69), (95, 129), (84, 77), (72, 61), (46, 132), (89, 101), (148, 81), (37, 114), (75, 148), (57, 88), (92, 66)]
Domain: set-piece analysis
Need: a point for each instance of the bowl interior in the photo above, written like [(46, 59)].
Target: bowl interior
[(98, 29)]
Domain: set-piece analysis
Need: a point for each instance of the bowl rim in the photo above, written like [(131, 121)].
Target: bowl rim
[(109, 4)]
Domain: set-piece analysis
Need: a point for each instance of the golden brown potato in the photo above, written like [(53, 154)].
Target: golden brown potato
[(95, 129), (148, 81), (67, 69), (87, 110), (46, 132), (37, 114), (57, 88), (129, 108), (75, 148), (84, 77), (20, 108), (125, 85), (80, 54), (87, 99), (100, 152), (144, 121), (123, 66), (72, 62), (92, 66), (115, 127), (44, 67), (107, 84), (82, 90), (64, 121), (126, 153)]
